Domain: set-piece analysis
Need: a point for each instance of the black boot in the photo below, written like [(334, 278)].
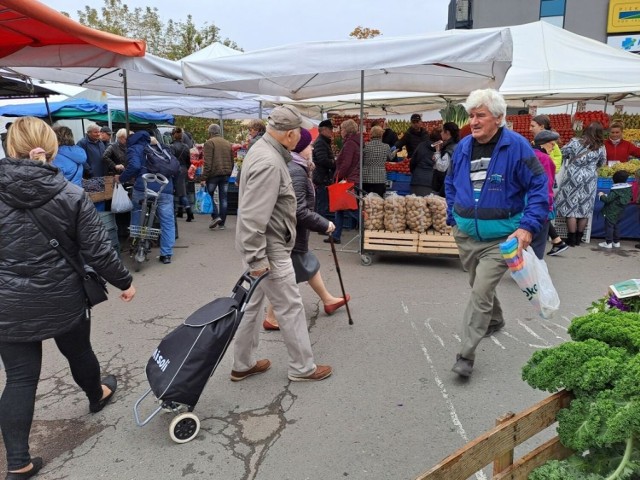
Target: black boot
[(579, 238), (571, 239), (190, 216), (180, 211)]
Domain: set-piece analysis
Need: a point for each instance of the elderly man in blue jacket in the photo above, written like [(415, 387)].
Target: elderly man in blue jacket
[(496, 190)]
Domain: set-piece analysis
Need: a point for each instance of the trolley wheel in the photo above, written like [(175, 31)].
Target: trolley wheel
[(366, 260), (184, 427)]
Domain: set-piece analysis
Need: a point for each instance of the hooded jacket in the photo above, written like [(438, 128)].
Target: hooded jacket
[(514, 194), (71, 159), (42, 295), (616, 201), (137, 164)]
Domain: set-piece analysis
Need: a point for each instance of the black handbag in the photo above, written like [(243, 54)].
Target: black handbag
[(95, 287)]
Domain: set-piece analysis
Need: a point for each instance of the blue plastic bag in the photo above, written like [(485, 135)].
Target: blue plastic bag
[(204, 204)]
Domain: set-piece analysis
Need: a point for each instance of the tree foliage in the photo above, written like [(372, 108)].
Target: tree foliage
[(361, 33), (172, 40)]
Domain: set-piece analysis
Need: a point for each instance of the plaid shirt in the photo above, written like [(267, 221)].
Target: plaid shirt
[(375, 154)]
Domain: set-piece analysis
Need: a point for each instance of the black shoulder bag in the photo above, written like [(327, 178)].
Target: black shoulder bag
[(95, 287)]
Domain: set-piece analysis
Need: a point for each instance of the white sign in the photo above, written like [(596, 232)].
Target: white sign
[(630, 43)]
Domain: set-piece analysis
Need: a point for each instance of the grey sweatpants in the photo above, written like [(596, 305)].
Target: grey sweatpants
[(282, 291), (486, 268)]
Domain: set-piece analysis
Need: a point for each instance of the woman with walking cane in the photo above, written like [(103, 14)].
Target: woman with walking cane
[(305, 263)]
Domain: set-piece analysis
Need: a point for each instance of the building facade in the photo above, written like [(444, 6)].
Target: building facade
[(588, 18)]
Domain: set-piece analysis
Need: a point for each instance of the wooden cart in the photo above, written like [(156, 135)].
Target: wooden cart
[(498, 444), (430, 242)]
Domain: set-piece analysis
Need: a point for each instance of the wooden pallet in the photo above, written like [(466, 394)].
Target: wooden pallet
[(437, 243), (382, 240), (497, 445)]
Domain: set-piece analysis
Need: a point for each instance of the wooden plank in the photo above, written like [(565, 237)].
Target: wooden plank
[(390, 248), (384, 234), (480, 452), (439, 251), (504, 461), (551, 450)]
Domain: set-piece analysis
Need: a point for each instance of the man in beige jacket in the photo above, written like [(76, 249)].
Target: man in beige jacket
[(265, 236)]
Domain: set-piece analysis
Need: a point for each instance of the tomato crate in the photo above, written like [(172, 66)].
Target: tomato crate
[(498, 444)]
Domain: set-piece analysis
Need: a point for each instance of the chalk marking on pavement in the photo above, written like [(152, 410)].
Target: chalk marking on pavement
[(443, 391), (532, 345), (437, 337), (562, 327), (531, 332), (554, 333), (404, 307), (497, 342), (457, 337)]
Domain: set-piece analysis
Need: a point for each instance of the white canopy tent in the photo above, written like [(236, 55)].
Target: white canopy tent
[(551, 66), (446, 62)]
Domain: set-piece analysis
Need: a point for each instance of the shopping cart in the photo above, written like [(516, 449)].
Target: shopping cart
[(144, 234), (187, 357)]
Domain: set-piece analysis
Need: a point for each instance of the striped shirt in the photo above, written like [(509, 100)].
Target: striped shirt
[(480, 159)]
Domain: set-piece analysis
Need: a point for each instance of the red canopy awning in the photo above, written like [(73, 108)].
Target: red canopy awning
[(29, 23)]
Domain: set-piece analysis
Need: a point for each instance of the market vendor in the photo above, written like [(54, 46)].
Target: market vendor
[(414, 136), (619, 150)]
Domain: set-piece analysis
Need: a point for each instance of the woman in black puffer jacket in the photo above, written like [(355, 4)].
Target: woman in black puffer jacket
[(42, 295), (305, 263)]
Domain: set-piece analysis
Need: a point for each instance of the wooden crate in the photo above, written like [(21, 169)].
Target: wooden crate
[(106, 194), (437, 243), (497, 445), (381, 240)]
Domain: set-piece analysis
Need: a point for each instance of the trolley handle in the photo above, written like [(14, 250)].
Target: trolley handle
[(155, 178), (245, 287)]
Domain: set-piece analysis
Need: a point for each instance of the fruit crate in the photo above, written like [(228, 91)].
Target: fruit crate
[(498, 444), (561, 228), (437, 243)]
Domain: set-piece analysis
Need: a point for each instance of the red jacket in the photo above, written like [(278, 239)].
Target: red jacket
[(622, 151)]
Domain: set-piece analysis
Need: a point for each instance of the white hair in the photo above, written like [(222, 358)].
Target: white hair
[(121, 133), (489, 98), (92, 126)]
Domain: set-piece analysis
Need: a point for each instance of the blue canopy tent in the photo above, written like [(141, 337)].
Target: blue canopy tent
[(82, 109)]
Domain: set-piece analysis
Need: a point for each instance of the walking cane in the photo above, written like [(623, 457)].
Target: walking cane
[(344, 295)]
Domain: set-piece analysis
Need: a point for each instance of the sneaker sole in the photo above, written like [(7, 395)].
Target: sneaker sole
[(461, 372), (553, 254), (308, 379)]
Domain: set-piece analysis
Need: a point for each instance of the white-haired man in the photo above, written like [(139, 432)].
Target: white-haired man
[(265, 236), (95, 148), (496, 190)]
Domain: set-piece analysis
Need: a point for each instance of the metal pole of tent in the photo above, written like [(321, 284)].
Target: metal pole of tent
[(126, 100), (260, 109), (221, 124), (360, 222), (109, 122), (46, 103)]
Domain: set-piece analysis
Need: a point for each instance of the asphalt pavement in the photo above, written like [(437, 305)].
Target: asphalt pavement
[(391, 410)]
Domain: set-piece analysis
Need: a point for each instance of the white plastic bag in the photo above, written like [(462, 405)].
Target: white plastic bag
[(535, 282), (120, 203)]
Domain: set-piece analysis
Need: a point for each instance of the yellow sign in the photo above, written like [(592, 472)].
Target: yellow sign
[(624, 16)]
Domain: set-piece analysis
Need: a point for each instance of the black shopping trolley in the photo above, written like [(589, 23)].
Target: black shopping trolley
[(186, 358)]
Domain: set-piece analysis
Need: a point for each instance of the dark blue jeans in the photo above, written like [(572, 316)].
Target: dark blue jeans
[(221, 182), (611, 231), (22, 362), (339, 221)]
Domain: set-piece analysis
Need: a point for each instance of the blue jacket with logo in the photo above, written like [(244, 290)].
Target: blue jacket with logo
[(514, 194)]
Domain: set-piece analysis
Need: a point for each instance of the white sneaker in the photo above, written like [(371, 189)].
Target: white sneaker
[(604, 245), (616, 244)]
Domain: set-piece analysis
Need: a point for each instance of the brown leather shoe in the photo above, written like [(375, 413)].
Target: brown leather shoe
[(261, 366), (320, 373)]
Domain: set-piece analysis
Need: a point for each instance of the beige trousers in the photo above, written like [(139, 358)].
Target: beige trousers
[(280, 288)]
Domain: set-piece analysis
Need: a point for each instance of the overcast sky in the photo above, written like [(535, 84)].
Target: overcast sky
[(255, 24)]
